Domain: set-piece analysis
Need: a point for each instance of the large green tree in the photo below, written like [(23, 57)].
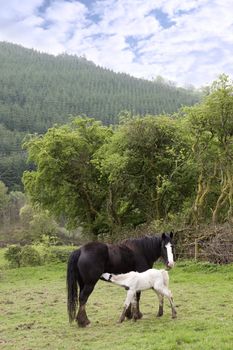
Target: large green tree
[(66, 181), (147, 166)]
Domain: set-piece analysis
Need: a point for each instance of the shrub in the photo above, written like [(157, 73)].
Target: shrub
[(61, 253), (30, 256), (13, 255), (37, 255)]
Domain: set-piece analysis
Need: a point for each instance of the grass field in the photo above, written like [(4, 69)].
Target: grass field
[(33, 312)]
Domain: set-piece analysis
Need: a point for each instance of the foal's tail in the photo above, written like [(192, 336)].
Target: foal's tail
[(165, 278), (72, 280)]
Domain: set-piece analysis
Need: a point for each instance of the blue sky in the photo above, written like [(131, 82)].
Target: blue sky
[(189, 42)]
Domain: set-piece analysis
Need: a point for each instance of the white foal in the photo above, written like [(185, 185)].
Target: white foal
[(134, 282)]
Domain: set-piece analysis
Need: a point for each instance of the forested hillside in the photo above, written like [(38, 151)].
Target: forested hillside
[(38, 90), (145, 170)]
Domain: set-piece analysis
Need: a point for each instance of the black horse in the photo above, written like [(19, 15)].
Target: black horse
[(86, 265)]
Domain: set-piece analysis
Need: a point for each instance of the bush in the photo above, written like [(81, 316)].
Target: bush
[(30, 256), (61, 253), (13, 255), (37, 255)]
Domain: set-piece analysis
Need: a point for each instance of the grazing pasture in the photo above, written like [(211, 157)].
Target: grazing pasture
[(33, 312)]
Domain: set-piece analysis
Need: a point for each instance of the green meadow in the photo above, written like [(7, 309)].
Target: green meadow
[(33, 312)]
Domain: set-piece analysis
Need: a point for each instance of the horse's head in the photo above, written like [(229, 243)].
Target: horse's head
[(167, 250)]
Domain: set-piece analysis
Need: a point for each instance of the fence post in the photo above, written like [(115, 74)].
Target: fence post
[(196, 250)]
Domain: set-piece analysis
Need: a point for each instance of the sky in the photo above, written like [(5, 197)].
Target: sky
[(189, 42)]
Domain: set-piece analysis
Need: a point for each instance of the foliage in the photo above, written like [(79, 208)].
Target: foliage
[(49, 252), (13, 255), (29, 256), (100, 178), (145, 170), (61, 254), (10, 204), (42, 224), (144, 162), (37, 254), (211, 127), (38, 90), (3, 196), (66, 181), (37, 223)]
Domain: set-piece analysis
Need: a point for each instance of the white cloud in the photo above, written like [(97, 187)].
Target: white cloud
[(126, 36)]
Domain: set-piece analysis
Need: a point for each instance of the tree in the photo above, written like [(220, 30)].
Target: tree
[(66, 181), (4, 199), (144, 162), (211, 126), (39, 90)]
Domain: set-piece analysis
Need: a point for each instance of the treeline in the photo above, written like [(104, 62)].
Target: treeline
[(145, 170), (10, 205), (39, 90), (21, 222), (12, 158)]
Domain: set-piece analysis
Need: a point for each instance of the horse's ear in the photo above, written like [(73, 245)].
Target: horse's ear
[(163, 236), (171, 234)]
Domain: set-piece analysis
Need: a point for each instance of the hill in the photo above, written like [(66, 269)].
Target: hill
[(38, 90)]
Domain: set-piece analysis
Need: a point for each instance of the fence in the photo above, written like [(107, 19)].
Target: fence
[(215, 250)]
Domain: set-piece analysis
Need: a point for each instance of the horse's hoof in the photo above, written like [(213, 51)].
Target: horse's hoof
[(128, 314), (139, 315), (159, 314), (129, 317), (83, 324), (121, 320)]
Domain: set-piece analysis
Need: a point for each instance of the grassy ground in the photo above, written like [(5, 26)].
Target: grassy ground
[(33, 312)]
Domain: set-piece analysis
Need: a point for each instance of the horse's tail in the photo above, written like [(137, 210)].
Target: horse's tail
[(72, 280), (165, 278)]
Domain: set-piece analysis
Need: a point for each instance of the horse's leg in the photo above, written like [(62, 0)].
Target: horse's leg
[(81, 317), (128, 312), (133, 310), (161, 299), (138, 315)]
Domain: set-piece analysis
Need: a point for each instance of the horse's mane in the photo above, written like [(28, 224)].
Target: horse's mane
[(147, 244), (147, 241)]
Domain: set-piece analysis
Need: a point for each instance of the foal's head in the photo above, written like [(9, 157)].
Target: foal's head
[(167, 251)]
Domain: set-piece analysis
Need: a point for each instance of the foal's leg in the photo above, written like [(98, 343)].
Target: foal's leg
[(174, 313), (129, 299), (136, 313), (167, 293), (161, 299), (134, 306)]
